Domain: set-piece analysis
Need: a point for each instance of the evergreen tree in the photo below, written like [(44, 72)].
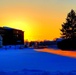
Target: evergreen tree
[(69, 27)]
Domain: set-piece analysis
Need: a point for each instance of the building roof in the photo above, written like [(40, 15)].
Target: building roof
[(9, 28)]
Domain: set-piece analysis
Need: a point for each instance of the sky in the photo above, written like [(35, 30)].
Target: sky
[(39, 19)]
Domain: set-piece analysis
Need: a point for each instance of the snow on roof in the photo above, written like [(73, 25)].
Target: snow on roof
[(5, 27)]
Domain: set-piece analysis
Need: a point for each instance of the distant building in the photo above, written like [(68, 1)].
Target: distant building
[(59, 39), (11, 36)]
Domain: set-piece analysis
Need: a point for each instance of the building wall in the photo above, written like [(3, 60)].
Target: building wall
[(1, 41), (18, 36), (12, 36)]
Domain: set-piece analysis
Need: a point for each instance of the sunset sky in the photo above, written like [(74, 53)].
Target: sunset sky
[(39, 19)]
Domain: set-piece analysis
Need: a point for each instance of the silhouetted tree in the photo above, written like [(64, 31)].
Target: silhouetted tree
[(68, 32), (69, 27)]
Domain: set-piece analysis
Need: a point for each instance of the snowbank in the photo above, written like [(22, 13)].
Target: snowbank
[(30, 62)]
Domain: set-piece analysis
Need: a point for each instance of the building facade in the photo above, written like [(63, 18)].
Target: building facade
[(11, 36)]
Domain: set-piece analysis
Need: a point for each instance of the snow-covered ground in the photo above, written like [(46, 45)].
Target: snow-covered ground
[(30, 62)]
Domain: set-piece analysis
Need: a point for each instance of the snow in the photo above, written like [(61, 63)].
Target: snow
[(30, 62)]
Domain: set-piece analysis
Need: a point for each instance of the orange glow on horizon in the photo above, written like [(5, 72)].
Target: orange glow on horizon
[(38, 23), (36, 27)]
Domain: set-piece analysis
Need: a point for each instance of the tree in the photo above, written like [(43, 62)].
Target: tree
[(69, 27)]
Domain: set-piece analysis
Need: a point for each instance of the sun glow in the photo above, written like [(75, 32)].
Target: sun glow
[(20, 24)]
